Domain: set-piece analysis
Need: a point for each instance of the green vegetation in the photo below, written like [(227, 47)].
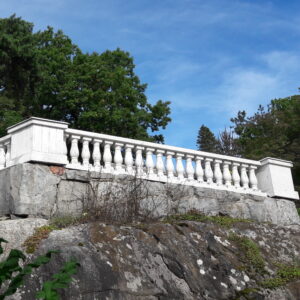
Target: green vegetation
[(206, 140), (64, 221), (13, 274), (284, 275), (251, 255), (298, 209), (223, 221), (60, 280), (45, 74), (271, 132), (244, 294), (225, 143), (40, 233)]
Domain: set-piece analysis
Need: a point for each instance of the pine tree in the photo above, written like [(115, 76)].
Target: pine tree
[(206, 140)]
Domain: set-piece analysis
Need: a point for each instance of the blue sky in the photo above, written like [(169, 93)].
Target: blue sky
[(209, 58)]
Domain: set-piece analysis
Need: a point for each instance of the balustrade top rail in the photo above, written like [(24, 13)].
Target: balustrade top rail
[(52, 142)]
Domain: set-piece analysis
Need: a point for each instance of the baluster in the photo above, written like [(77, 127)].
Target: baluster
[(65, 148), (2, 156), (252, 177), (8, 152), (179, 166), (160, 168), (97, 154), (169, 164), (199, 170), (128, 159), (189, 167), (244, 176), (217, 172), (139, 162), (107, 157), (235, 175), (226, 173), (74, 152), (85, 154), (208, 171), (118, 159), (149, 161)]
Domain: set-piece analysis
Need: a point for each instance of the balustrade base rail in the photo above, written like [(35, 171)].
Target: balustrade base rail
[(52, 142)]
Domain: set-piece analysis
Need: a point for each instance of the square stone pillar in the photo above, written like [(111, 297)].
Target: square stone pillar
[(275, 178), (38, 140)]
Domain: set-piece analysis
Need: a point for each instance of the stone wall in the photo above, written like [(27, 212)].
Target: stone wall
[(43, 191)]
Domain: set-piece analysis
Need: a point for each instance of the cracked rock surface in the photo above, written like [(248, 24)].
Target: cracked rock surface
[(183, 260)]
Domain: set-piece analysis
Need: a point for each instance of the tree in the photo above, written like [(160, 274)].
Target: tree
[(206, 140), (227, 143), (44, 74), (270, 132), (17, 70), (273, 132)]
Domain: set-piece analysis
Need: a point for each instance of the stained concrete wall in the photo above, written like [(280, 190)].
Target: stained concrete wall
[(44, 191)]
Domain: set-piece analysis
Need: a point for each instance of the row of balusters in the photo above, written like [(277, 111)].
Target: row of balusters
[(139, 160), (4, 154)]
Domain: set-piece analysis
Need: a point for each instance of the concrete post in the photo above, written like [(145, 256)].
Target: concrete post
[(275, 178), (38, 140)]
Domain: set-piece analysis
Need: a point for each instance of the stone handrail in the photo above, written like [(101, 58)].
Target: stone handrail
[(52, 142)]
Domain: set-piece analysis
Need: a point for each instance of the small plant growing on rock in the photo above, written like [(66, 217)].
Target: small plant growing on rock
[(61, 222), (284, 275), (251, 252), (40, 233), (60, 280), (224, 221), (12, 274)]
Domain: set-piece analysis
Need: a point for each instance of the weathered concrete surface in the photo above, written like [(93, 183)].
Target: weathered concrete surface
[(43, 191), (185, 260)]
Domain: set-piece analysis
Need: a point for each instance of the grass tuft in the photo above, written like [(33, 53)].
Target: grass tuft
[(40, 233), (223, 221), (284, 275), (65, 221), (251, 252)]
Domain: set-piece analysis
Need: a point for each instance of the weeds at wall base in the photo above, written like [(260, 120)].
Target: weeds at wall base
[(224, 221)]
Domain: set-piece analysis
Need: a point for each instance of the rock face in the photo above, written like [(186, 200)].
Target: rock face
[(182, 260), (17, 231), (43, 191)]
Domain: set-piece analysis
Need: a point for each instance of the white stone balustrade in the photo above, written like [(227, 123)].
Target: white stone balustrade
[(117, 155), (53, 142)]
